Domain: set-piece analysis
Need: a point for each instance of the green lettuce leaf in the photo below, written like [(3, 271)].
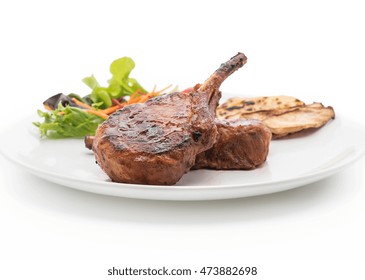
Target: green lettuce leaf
[(120, 83), (121, 69), (67, 122), (91, 82)]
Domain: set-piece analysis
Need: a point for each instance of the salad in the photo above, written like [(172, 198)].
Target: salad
[(75, 116)]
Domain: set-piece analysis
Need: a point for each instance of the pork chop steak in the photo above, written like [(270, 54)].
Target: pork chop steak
[(156, 142), (241, 144)]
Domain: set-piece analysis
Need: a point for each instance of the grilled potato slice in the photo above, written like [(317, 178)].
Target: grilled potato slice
[(283, 115)]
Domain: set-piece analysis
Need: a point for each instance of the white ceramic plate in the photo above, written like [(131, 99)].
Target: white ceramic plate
[(291, 163)]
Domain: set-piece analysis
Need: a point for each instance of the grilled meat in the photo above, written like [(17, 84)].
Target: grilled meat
[(157, 142), (241, 144)]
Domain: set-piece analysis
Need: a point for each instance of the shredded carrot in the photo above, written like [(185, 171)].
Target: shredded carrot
[(112, 109), (147, 96), (98, 113), (116, 102), (140, 97), (82, 104), (135, 96), (143, 99)]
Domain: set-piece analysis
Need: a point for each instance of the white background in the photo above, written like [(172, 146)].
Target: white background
[(313, 50)]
